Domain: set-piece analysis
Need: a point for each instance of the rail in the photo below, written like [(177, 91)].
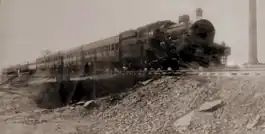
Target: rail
[(207, 72)]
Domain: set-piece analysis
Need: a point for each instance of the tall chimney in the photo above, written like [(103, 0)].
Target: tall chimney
[(199, 13), (253, 58)]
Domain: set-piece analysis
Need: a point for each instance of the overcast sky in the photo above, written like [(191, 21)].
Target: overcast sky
[(29, 26)]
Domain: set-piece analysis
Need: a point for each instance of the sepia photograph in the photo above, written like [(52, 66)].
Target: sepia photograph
[(132, 67)]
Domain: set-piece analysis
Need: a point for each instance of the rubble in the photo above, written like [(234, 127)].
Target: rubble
[(254, 122), (167, 105), (184, 122), (88, 103), (146, 82), (80, 103), (210, 106)]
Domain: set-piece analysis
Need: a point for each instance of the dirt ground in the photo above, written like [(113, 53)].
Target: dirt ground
[(169, 105)]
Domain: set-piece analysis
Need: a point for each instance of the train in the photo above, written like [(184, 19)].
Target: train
[(161, 44)]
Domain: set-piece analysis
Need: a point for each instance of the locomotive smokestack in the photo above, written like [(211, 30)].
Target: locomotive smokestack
[(199, 13), (253, 58)]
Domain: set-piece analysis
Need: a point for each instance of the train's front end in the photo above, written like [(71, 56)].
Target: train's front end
[(200, 32), (206, 51), (193, 42), (203, 32)]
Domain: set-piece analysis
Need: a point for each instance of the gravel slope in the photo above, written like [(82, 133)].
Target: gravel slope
[(155, 108)]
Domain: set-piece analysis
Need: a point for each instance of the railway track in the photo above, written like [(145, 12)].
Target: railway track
[(218, 73), (209, 72)]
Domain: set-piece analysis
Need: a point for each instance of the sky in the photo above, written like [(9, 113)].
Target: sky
[(28, 27)]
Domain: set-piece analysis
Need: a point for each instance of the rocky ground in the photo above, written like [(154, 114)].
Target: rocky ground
[(168, 105)]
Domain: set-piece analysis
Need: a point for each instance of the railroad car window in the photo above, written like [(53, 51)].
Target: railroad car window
[(103, 50), (116, 46), (107, 48), (112, 47), (142, 33), (74, 58)]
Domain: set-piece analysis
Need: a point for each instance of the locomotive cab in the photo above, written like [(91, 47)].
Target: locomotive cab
[(130, 48), (128, 40)]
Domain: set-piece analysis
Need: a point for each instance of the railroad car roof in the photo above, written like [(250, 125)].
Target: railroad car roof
[(74, 50), (53, 54), (156, 24), (129, 31), (103, 42)]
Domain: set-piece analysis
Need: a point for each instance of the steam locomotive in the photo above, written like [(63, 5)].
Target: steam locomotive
[(161, 44)]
